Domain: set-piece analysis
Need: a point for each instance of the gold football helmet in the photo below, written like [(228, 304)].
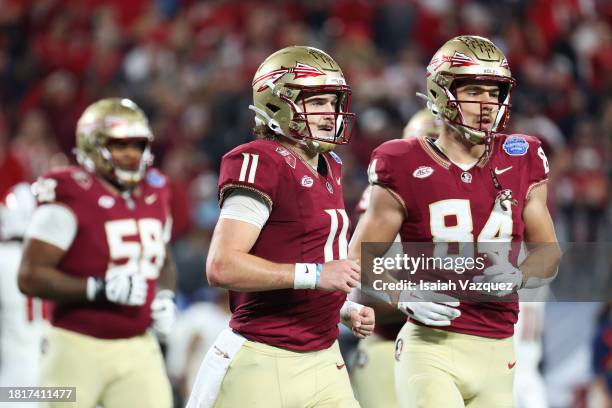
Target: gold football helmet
[(289, 76), (474, 58), (106, 119), (422, 123)]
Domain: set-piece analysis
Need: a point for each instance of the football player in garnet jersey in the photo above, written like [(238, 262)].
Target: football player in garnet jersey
[(97, 246), (471, 184), (280, 246)]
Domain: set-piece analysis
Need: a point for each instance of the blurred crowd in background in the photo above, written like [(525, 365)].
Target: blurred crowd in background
[(190, 63)]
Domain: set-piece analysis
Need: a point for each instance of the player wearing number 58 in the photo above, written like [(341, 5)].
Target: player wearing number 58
[(280, 245), (97, 247), (472, 184)]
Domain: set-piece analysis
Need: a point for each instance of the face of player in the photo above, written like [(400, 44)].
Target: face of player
[(126, 154), (479, 103), (321, 126)]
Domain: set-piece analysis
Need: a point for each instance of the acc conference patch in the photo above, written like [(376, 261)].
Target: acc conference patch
[(515, 146)]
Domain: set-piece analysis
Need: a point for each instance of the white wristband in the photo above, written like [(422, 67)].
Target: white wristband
[(306, 276), (345, 312), (348, 307), (92, 288)]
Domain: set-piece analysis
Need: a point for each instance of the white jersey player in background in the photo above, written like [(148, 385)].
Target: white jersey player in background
[(21, 317), (529, 387)]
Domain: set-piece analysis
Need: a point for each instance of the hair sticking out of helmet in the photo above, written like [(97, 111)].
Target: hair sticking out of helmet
[(474, 59), (113, 120), (16, 211), (285, 84)]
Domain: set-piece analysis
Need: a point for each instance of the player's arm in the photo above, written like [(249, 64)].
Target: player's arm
[(167, 273), (50, 234), (39, 275), (380, 223), (231, 266), (540, 265), (385, 313)]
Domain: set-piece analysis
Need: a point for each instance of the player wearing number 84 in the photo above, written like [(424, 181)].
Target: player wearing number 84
[(280, 246), (471, 184), (97, 248)]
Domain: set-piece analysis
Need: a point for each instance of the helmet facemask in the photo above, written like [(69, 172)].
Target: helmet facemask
[(128, 177), (469, 58), (338, 123), (501, 108), (111, 120)]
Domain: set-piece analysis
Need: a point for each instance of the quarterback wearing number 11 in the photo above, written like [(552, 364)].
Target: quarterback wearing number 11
[(280, 246)]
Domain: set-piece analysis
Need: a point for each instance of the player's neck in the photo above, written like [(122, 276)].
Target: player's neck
[(307, 155), (114, 187), (457, 148)]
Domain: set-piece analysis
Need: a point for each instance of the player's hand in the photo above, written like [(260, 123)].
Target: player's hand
[(501, 272), (340, 275), (362, 322), (497, 274), (439, 313), (163, 313), (125, 288)]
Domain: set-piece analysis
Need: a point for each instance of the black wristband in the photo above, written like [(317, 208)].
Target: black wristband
[(100, 295)]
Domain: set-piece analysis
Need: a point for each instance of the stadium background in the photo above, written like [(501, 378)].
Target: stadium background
[(189, 64)]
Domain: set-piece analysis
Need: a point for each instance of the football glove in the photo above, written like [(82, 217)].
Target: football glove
[(118, 287), (501, 273), (163, 313), (438, 313)]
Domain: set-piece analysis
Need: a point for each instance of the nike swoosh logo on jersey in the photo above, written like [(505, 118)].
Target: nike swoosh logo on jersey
[(339, 366), (501, 171), (511, 365)]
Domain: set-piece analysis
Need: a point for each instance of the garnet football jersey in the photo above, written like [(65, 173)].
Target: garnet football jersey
[(307, 224), (112, 232), (444, 203)]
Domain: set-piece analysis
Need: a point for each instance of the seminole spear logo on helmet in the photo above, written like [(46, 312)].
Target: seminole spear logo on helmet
[(299, 71), (289, 77)]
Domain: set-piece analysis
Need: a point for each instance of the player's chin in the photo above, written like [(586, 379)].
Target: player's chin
[(484, 125), (324, 133)]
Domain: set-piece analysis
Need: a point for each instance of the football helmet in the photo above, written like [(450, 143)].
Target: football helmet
[(16, 211), (422, 123), (473, 58), (289, 76), (106, 119)]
